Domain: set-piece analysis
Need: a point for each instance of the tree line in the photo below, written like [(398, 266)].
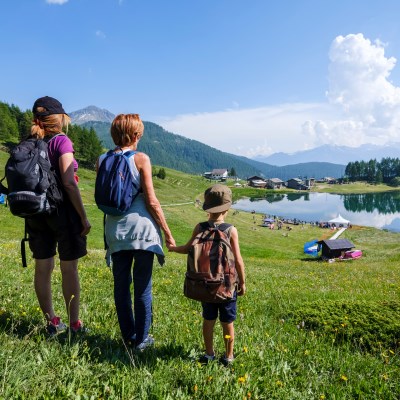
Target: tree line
[(386, 171), (15, 125)]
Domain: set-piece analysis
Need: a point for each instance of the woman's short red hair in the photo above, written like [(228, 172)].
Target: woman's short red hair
[(125, 128)]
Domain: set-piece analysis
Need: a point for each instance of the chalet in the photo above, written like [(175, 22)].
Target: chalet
[(217, 174), (331, 181), (256, 181), (274, 183), (296, 183), (334, 248)]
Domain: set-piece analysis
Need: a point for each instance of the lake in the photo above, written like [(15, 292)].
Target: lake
[(379, 210)]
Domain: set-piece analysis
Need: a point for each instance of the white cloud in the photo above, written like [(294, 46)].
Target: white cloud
[(362, 106), (60, 2), (250, 132), (100, 34)]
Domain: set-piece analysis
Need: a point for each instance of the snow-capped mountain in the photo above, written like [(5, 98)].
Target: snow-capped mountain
[(91, 113), (334, 154)]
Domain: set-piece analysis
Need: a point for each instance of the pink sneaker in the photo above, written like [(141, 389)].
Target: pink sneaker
[(78, 327), (55, 326)]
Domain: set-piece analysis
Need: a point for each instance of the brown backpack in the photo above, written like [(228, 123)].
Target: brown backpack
[(211, 275)]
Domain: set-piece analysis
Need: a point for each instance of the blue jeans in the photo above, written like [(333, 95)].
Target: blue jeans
[(138, 322)]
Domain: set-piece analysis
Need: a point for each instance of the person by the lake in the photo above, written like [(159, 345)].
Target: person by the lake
[(135, 238), (64, 230), (217, 202)]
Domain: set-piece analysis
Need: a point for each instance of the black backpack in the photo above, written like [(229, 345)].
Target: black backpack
[(33, 187)]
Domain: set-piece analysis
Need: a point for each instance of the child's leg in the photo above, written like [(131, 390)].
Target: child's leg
[(210, 314), (208, 335), (229, 338)]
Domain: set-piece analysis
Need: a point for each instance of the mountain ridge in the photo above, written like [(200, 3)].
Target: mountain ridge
[(334, 153), (191, 156)]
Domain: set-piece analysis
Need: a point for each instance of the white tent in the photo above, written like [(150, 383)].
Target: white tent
[(339, 220)]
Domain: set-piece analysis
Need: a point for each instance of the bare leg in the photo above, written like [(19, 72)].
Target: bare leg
[(208, 333), (42, 282), (71, 288), (228, 330)]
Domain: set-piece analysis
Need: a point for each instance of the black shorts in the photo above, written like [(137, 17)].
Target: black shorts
[(227, 311), (61, 229)]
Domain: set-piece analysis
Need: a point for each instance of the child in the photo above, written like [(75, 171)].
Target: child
[(217, 201)]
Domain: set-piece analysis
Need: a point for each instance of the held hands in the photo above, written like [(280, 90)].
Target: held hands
[(170, 243)]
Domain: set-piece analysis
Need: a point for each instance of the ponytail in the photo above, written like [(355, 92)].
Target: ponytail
[(49, 124)]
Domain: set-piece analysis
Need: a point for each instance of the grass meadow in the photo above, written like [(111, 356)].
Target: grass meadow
[(305, 330)]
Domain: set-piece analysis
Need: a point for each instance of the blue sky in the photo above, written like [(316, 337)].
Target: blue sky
[(248, 77)]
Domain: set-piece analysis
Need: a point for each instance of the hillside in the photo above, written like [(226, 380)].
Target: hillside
[(305, 329), (187, 155), (178, 152)]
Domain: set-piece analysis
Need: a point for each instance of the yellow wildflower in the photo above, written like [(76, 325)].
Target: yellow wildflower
[(241, 379), (343, 378)]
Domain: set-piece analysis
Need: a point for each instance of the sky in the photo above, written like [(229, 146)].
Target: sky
[(250, 77)]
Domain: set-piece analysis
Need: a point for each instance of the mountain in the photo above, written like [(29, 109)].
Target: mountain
[(334, 154), (91, 113), (174, 151), (187, 155)]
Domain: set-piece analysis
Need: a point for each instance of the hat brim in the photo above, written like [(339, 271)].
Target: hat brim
[(217, 209)]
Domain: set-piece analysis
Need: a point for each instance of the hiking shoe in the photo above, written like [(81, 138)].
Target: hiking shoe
[(226, 361), (205, 359), (78, 327), (147, 343), (55, 326), (130, 342)]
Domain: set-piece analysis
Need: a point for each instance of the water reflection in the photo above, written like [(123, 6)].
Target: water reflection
[(384, 203), (380, 210)]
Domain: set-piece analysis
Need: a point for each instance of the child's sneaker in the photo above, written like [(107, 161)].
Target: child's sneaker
[(78, 327), (205, 359), (55, 326), (148, 342), (226, 361)]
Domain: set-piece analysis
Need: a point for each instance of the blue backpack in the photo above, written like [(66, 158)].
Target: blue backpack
[(115, 189)]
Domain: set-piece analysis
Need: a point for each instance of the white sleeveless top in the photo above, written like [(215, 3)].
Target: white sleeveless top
[(137, 229)]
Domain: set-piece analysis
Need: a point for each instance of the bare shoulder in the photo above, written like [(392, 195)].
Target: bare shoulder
[(234, 231), (142, 160)]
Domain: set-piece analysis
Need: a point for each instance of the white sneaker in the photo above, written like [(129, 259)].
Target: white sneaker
[(148, 342)]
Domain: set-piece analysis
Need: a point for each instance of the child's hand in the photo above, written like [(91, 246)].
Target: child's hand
[(242, 289), (171, 247)]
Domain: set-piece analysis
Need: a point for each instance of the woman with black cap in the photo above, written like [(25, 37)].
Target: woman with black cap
[(65, 229)]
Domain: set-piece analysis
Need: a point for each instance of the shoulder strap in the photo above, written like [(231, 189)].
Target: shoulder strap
[(222, 227), (48, 140)]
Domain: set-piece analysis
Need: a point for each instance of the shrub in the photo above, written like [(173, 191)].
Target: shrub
[(371, 326)]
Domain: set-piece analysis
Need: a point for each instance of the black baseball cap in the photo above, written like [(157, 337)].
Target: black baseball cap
[(51, 105)]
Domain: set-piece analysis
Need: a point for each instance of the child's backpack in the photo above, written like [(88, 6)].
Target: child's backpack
[(115, 189), (211, 274), (33, 187)]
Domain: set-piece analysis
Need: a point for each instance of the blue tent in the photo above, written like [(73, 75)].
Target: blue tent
[(312, 248)]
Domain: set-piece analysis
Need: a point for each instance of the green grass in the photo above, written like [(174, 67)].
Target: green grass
[(305, 330)]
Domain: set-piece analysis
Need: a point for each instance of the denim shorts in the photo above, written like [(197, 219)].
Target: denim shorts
[(227, 311), (61, 229)]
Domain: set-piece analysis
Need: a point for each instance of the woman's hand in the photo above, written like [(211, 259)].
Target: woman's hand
[(170, 242), (86, 227)]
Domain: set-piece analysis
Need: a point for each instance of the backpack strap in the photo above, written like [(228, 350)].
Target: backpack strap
[(224, 227), (49, 139), (23, 252)]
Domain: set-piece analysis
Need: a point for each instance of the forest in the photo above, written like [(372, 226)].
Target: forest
[(15, 125), (386, 171)]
